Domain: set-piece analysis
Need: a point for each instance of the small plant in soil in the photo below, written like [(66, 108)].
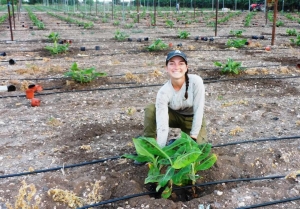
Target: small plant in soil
[(236, 33), (83, 75), (88, 25), (184, 34), (169, 23), (291, 32), (120, 36), (157, 45), (175, 164), (279, 23), (129, 25), (229, 67), (116, 23), (238, 43), (296, 41), (56, 48)]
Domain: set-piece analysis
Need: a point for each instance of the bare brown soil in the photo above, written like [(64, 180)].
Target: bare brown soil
[(78, 123)]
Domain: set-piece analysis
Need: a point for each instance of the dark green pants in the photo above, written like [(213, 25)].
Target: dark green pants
[(176, 120)]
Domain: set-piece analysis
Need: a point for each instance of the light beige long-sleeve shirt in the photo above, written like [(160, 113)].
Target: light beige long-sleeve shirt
[(168, 97)]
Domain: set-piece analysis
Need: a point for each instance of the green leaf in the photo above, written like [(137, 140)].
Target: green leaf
[(166, 193), (151, 146), (209, 162), (181, 175), (186, 159), (74, 67), (168, 175), (153, 178), (218, 64), (205, 150), (141, 150)]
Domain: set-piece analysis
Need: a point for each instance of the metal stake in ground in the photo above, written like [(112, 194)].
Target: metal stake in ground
[(13, 13), (274, 22)]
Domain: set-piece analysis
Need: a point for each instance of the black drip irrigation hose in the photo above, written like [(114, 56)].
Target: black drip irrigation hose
[(21, 60), (60, 167), (271, 203), (145, 86), (140, 73), (257, 140)]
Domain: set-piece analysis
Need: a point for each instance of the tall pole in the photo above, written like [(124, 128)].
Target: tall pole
[(216, 25), (266, 12), (13, 13), (154, 1), (138, 10), (274, 21), (112, 9), (11, 33)]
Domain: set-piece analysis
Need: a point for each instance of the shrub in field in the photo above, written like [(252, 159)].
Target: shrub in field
[(297, 40), (128, 25), (175, 164), (279, 23), (170, 23), (157, 45), (183, 34), (116, 23), (104, 20), (83, 75), (238, 43), (56, 48), (291, 32), (88, 25), (3, 18), (229, 67), (236, 33), (120, 36)]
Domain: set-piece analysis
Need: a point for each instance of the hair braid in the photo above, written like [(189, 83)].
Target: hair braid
[(186, 84)]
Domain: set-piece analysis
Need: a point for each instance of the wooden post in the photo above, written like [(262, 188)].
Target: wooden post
[(216, 25), (112, 9), (13, 13), (155, 12), (274, 22), (9, 19), (138, 10)]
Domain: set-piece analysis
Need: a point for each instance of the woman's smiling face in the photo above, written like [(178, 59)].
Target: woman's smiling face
[(176, 67)]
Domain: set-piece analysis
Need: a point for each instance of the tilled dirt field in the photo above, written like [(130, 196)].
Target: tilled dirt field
[(78, 123)]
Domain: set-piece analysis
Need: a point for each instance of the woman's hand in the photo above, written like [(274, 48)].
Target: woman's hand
[(194, 138)]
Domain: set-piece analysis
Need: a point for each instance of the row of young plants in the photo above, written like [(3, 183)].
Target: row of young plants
[(291, 17), (35, 19), (68, 19), (224, 19), (248, 18)]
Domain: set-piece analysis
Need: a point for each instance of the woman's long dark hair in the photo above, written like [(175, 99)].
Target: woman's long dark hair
[(186, 84)]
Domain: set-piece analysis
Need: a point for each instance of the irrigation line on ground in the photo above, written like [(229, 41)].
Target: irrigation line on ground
[(139, 73), (117, 157), (144, 86), (257, 140), (179, 188), (271, 203), (60, 167)]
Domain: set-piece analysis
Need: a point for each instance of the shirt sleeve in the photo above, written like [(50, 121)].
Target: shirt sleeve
[(162, 117), (198, 105)]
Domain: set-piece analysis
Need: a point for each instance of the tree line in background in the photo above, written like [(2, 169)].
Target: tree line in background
[(289, 5)]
